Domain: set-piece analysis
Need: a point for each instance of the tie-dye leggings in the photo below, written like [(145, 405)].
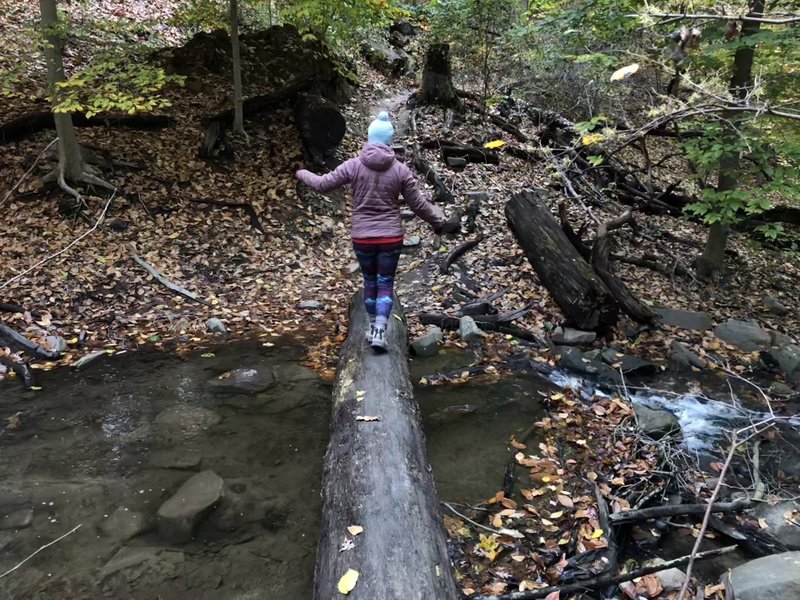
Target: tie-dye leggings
[(378, 266)]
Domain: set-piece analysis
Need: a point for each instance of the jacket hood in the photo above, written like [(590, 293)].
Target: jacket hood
[(377, 157)]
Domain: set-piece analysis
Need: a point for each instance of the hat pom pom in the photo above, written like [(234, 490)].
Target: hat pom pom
[(383, 116)]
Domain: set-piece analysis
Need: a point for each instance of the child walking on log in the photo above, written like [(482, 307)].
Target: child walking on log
[(378, 180)]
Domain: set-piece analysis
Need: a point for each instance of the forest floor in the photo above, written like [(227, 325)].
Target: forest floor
[(97, 298)]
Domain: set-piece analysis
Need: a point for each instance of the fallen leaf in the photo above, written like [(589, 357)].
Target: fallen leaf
[(208, 355), (348, 581), (565, 501), (624, 72), (494, 144), (355, 529)]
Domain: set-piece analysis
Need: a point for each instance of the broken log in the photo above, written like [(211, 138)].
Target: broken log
[(451, 149), (585, 300), (457, 252), (320, 122), (15, 340), (601, 264), (166, 282), (674, 510), (25, 126), (377, 476)]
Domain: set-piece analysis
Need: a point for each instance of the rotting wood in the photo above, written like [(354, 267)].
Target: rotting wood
[(166, 282), (377, 476), (457, 252), (674, 510), (13, 339), (585, 300)]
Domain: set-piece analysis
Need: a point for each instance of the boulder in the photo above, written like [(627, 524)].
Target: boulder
[(196, 498), (566, 336), (19, 519), (775, 577), (788, 359), (124, 524), (469, 330), (779, 339), (655, 423), (247, 380), (748, 336), (683, 359), (215, 325), (391, 60), (783, 522), (684, 319), (184, 418), (774, 306), (428, 345), (586, 364)]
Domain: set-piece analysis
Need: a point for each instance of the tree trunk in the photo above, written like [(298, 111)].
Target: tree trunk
[(437, 79), (69, 151), (713, 257), (238, 111), (583, 297), (377, 476)]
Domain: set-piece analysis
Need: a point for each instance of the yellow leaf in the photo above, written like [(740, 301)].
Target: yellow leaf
[(591, 138), (624, 72), (355, 529), (494, 144), (35, 388), (348, 581), (598, 533)]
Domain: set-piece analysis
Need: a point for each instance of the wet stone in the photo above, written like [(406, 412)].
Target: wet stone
[(248, 380), (788, 359), (684, 319), (176, 459), (124, 524), (427, 345), (19, 519), (567, 336), (184, 418), (748, 336), (292, 373), (683, 359), (88, 360), (196, 498), (775, 577), (656, 423), (587, 363), (783, 522)]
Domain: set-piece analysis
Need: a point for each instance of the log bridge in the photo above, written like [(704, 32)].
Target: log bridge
[(377, 477)]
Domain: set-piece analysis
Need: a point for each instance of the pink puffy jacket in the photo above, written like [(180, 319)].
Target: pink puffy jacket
[(378, 179)]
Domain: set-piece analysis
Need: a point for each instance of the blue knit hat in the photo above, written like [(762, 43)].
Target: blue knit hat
[(380, 130)]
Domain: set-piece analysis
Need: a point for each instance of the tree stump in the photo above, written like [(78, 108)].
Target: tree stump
[(321, 124), (437, 79), (582, 296), (377, 476)]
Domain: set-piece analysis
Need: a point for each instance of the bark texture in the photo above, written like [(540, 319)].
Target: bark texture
[(584, 299), (437, 79), (377, 476), (238, 111)]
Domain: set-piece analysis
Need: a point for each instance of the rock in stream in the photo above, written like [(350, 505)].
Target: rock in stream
[(196, 498)]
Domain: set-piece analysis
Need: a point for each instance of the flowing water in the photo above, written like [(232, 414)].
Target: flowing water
[(99, 447)]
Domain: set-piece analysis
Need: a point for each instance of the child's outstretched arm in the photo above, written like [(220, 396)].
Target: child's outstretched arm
[(340, 176), (421, 207)]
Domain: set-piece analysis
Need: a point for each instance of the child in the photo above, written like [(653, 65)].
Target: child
[(378, 179)]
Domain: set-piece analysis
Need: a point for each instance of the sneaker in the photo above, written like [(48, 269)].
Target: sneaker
[(378, 341), (370, 333)]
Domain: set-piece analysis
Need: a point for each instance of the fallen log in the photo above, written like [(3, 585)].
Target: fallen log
[(167, 283), (674, 510), (451, 149), (11, 307), (607, 580), (14, 340), (376, 476), (485, 322), (27, 125), (320, 122), (457, 252), (585, 300)]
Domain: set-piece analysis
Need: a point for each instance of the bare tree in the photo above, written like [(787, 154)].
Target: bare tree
[(238, 113)]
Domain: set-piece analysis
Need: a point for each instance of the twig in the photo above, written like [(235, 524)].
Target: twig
[(28, 172), (509, 532), (707, 515), (608, 580), (166, 282), (65, 249), (14, 568)]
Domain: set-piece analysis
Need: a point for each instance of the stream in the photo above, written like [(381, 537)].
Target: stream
[(104, 448)]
